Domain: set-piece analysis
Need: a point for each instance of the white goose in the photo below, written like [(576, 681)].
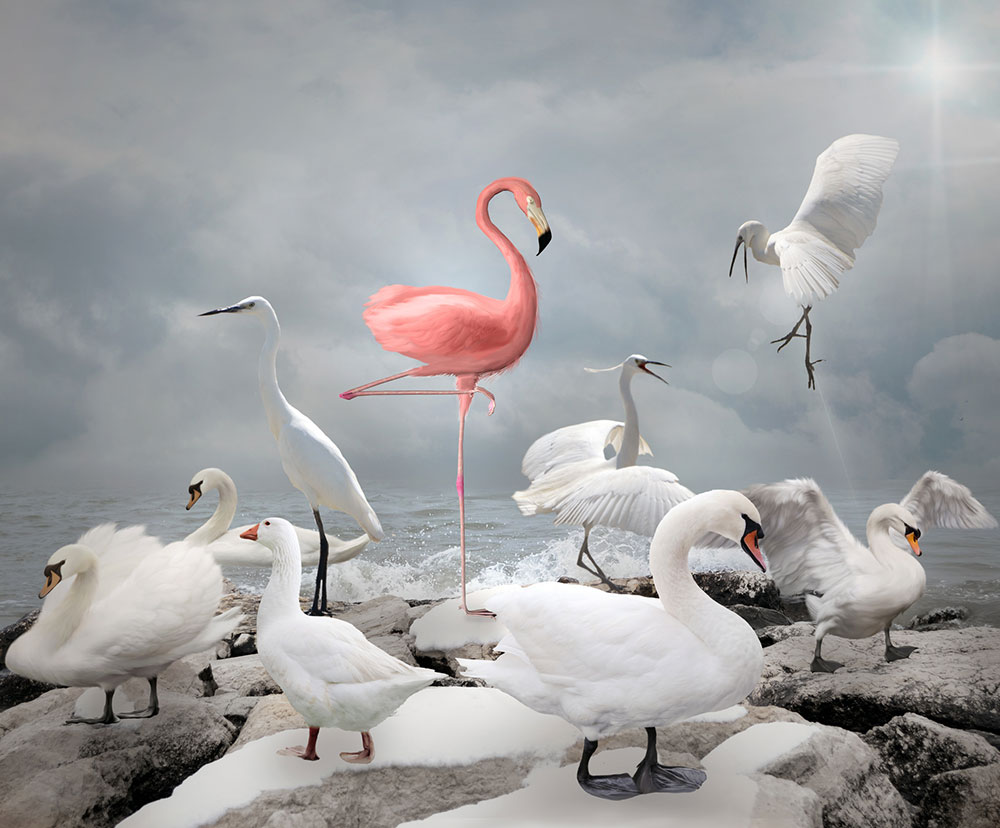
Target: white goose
[(607, 662), (120, 604), (330, 673), (852, 590), (225, 544), (570, 475), (311, 460)]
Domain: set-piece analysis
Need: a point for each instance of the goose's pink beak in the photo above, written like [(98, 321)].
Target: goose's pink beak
[(251, 533)]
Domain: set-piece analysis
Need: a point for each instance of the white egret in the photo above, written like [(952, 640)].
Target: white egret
[(607, 663), (837, 214), (852, 590), (225, 543), (313, 463), (570, 475), (118, 604), (330, 673)]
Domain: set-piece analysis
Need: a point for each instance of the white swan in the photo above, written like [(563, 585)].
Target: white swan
[(852, 590), (608, 662), (570, 475), (120, 604), (225, 544), (311, 460), (836, 216), (330, 673)]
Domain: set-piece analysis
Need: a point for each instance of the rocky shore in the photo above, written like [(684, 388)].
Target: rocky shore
[(914, 742)]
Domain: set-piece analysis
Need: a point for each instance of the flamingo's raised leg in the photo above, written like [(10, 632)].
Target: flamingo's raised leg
[(363, 756), (308, 752)]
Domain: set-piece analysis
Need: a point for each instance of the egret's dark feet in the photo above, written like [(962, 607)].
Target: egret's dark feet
[(821, 665), (325, 612), (809, 370), (894, 653), (148, 713), (784, 340), (658, 778)]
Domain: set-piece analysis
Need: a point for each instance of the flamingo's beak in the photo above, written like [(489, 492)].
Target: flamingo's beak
[(911, 538), (537, 218), (739, 242), (653, 362), (52, 577), (195, 492), (750, 542), (251, 533)]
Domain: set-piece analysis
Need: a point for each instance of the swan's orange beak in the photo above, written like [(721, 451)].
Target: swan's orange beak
[(52, 577), (195, 493), (911, 538), (751, 547), (251, 533)]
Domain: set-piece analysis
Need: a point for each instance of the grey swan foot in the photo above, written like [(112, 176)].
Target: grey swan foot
[(650, 777)]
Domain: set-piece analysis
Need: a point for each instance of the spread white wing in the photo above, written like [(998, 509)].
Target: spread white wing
[(573, 443), (838, 213), (937, 500)]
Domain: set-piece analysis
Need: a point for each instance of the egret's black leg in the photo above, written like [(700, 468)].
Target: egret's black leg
[(820, 664), (319, 598), (809, 363), (152, 708), (107, 717), (616, 786), (652, 777), (597, 572), (896, 653)]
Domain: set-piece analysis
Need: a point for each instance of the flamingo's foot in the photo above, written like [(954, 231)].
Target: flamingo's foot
[(490, 397), (893, 653), (148, 713), (347, 395), (484, 613), (301, 752), (822, 665)]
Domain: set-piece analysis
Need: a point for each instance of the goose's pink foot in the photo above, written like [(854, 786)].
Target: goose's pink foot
[(363, 756), (308, 752)]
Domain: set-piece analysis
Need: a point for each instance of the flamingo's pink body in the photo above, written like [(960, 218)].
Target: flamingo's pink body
[(458, 332)]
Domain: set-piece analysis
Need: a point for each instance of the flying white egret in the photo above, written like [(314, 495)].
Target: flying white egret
[(313, 463), (836, 216), (851, 590), (570, 475)]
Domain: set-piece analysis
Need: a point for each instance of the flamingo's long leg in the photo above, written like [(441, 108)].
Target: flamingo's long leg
[(354, 392), (463, 409)]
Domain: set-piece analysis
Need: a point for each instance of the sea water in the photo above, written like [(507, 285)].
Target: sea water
[(418, 557)]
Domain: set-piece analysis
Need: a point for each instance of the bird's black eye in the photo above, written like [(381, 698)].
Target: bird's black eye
[(267, 523), (251, 304)]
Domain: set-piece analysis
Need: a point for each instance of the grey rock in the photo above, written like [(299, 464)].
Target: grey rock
[(772, 635), (243, 676), (271, 714), (953, 678), (939, 619), (700, 738), (243, 644), (384, 615), (398, 646), (740, 587), (759, 617), (847, 776), (968, 798), (915, 748), (783, 803), (52, 774)]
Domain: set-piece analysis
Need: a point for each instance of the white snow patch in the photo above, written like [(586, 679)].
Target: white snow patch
[(446, 627), (552, 798), (755, 747), (727, 714), (439, 726)]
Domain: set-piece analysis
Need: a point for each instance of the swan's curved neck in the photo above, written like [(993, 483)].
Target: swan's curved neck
[(880, 542), (276, 407), (218, 524), (281, 595), (522, 296), (629, 452), (63, 622)]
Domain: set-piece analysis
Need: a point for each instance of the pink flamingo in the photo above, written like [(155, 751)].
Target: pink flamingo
[(458, 332)]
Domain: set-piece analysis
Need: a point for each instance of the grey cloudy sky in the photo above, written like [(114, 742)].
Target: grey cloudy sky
[(164, 158)]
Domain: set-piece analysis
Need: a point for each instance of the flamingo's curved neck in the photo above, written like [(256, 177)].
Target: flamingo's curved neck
[(276, 407), (522, 297), (628, 454), (221, 519)]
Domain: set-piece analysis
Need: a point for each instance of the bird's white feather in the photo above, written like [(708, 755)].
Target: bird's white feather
[(937, 500)]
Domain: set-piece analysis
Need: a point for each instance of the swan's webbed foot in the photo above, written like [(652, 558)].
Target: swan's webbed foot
[(308, 752), (656, 778), (822, 665), (363, 756), (893, 653), (613, 786), (106, 717), (151, 709)]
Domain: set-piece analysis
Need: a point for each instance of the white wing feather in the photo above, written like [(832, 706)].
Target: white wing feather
[(573, 443), (634, 498), (937, 500), (838, 213)]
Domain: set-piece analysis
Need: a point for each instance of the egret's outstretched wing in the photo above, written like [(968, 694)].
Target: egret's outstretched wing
[(634, 498), (807, 546), (838, 213), (937, 500), (570, 444)]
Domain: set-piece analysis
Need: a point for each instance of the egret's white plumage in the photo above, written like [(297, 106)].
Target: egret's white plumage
[(313, 463), (570, 475), (852, 590), (118, 603), (609, 662), (331, 674), (228, 548), (838, 213)]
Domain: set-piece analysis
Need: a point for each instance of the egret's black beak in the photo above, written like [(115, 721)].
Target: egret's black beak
[(733, 262), (653, 362), (230, 309), (543, 239)]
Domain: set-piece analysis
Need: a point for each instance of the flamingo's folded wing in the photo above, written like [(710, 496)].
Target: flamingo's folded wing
[(937, 500)]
